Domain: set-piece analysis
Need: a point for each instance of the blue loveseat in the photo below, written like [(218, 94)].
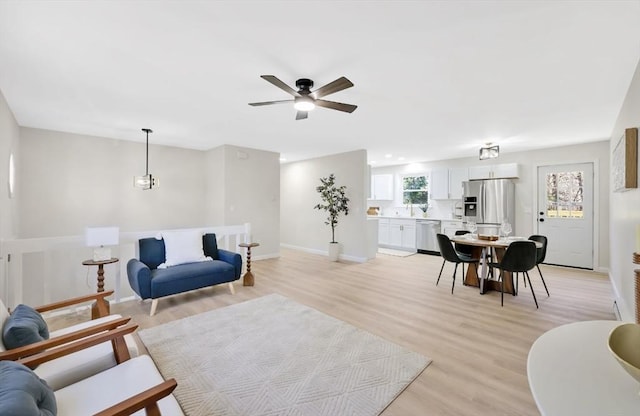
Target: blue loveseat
[(151, 282)]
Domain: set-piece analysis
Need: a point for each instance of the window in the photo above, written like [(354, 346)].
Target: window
[(414, 190), (565, 194)]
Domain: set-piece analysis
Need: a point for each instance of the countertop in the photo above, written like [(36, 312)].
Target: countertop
[(401, 217)]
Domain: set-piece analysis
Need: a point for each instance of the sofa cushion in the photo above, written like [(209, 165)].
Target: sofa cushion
[(151, 252), (190, 276), (184, 246), (22, 393), (23, 327), (210, 246)]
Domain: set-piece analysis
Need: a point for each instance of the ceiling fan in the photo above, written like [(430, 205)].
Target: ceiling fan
[(305, 100)]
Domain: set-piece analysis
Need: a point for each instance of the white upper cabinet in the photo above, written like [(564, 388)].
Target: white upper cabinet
[(447, 183), (456, 177), (503, 170), (382, 187), (439, 184)]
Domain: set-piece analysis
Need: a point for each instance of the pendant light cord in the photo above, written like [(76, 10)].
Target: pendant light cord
[(147, 161)]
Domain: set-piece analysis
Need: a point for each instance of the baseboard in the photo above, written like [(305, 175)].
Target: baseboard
[(621, 309), (345, 257)]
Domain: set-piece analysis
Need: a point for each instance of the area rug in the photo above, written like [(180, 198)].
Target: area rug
[(397, 253), (273, 356)]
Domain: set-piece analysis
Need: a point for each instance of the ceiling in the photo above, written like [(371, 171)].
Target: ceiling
[(433, 80)]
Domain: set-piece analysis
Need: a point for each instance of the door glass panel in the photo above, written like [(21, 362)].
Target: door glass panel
[(565, 194)]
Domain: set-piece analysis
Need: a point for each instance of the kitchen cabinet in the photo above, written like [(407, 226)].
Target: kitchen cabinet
[(447, 183), (383, 231), (456, 177), (450, 227), (402, 233), (397, 232), (382, 187), (503, 170), (439, 185)]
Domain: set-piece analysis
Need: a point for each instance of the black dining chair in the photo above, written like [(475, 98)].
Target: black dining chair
[(450, 254), (520, 257), (463, 248), (541, 253)]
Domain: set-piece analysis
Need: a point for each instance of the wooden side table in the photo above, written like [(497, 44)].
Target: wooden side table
[(100, 308), (248, 280)]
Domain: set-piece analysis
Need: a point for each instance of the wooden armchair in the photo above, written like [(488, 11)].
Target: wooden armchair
[(78, 366), (132, 385)]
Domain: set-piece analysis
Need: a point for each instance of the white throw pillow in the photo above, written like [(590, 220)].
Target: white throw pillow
[(182, 247)]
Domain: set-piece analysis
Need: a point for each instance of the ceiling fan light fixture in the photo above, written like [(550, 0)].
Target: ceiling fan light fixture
[(304, 103)]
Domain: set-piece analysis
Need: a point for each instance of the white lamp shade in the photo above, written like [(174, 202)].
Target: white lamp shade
[(102, 236)]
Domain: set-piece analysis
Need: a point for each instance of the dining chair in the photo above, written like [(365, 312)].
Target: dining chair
[(541, 253), (463, 248), (450, 254), (520, 257)]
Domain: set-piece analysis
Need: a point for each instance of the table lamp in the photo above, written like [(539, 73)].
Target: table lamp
[(99, 237)]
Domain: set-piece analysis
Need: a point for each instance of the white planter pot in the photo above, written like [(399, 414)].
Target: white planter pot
[(334, 251)]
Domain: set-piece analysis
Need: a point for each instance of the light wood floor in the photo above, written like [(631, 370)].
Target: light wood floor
[(479, 349)]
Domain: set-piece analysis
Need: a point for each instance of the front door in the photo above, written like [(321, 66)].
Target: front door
[(565, 213)]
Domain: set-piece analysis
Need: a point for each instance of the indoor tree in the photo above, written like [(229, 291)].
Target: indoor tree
[(334, 202)]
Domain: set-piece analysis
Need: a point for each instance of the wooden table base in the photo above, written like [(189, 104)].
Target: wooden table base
[(471, 278)]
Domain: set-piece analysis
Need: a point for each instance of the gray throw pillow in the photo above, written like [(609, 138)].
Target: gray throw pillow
[(22, 393), (23, 327)]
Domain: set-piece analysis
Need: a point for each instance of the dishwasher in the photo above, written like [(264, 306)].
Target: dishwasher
[(427, 242)]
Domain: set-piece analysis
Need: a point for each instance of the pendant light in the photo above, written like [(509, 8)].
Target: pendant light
[(147, 181)]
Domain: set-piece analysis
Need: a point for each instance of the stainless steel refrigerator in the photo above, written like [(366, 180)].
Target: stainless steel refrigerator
[(489, 202)]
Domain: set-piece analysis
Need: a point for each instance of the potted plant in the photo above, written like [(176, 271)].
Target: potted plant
[(334, 202)]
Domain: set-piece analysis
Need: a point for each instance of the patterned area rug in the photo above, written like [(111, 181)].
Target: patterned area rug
[(273, 356)]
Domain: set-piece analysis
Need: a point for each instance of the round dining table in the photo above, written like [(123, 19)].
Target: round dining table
[(482, 249)]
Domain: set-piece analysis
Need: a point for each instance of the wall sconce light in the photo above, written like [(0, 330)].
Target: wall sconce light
[(489, 152), (99, 237), (147, 181)]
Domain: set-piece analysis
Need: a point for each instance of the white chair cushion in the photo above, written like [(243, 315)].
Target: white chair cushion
[(112, 386), (71, 368)]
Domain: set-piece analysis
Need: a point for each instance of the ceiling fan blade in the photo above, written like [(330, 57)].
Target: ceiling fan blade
[(270, 102), (347, 108), (335, 86), (276, 81), (300, 115)]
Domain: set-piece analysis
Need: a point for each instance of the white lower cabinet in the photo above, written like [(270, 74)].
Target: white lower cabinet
[(383, 231), (397, 232), (450, 227)]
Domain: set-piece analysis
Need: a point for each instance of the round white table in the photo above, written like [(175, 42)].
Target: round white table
[(572, 372)]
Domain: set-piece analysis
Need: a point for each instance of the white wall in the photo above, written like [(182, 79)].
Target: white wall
[(69, 181), (302, 226), (9, 143), (625, 213), (9, 134), (252, 194), (214, 180), (526, 207)]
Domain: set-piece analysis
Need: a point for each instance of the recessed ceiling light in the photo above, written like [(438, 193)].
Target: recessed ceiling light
[(373, 162), (388, 155), (401, 158), (283, 159)]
